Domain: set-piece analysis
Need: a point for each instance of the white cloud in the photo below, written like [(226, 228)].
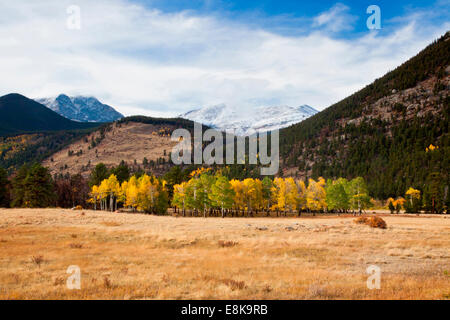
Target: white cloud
[(336, 19), (149, 62)]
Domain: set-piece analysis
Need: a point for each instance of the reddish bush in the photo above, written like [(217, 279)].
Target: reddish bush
[(225, 244), (361, 220), (374, 222), (377, 222)]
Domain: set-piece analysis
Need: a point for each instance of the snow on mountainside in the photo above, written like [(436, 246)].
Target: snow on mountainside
[(83, 109), (246, 122)]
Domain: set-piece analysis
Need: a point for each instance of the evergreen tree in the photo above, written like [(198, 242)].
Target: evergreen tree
[(391, 207), (122, 172), (434, 193), (4, 189), (267, 188), (162, 201), (38, 188), (174, 176), (98, 174), (18, 190)]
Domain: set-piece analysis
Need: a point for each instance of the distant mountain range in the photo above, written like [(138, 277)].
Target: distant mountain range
[(246, 122), (82, 109)]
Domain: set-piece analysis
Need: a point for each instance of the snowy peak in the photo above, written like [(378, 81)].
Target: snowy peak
[(247, 122), (82, 109)]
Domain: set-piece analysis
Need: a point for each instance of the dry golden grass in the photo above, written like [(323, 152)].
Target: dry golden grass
[(133, 256)]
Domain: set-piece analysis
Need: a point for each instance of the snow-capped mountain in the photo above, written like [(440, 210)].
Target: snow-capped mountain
[(246, 122), (83, 109)]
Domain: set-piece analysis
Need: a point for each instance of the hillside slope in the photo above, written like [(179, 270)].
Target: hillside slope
[(382, 131), (18, 114), (141, 142), (30, 132)]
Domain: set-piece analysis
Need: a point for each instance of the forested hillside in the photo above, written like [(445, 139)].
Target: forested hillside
[(29, 148), (30, 132), (142, 143), (383, 131), (22, 115)]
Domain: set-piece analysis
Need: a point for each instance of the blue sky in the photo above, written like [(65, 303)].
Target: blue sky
[(163, 58), (294, 15)]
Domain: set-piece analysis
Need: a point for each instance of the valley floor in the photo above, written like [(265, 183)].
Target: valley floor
[(134, 256)]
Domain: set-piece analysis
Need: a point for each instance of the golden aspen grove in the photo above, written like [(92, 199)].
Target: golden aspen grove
[(146, 194), (211, 194)]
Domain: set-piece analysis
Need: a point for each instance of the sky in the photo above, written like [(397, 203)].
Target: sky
[(164, 58)]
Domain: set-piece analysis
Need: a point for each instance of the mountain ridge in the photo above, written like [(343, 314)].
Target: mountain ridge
[(20, 114), (81, 108), (246, 122)]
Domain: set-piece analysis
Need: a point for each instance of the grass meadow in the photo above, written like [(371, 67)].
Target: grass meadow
[(136, 256)]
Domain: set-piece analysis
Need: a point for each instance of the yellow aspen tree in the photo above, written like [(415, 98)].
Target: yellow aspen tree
[(205, 182), (103, 194), (238, 194), (179, 196), (249, 193), (259, 196), (412, 194), (147, 193), (291, 194), (113, 189), (301, 199), (413, 200), (123, 192), (267, 194), (94, 196), (131, 193), (316, 195), (280, 189)]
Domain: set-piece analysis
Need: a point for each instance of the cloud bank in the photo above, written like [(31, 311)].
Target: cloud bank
[(145, 61)]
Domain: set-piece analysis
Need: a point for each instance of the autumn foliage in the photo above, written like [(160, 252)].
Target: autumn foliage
[(206, 194), (374, 222), (146, 193)]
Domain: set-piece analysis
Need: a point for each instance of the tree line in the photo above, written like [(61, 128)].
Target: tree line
[(208, 194), (202, 192)]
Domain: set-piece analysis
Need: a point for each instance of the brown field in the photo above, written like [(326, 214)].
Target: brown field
[(134, 256)]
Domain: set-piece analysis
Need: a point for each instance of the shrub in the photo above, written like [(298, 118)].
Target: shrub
[(377, 222), (361, 220), (374, 222), (38, 259), (107, 283), (234, 284), (225, 244)]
